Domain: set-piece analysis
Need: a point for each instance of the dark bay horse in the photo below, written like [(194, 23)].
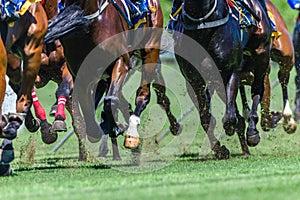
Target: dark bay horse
[(25, 39), (282, 52), (211, 25), (105, 20), (204, 21)]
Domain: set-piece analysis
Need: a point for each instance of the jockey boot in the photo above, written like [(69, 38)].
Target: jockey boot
[(176, 9), (8, 11)]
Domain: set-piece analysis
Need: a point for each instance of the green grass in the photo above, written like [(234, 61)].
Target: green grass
[(271, 172)]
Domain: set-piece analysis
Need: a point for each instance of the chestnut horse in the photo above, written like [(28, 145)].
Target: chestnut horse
[(282, 52), (102, 25), (53, 68), (25, 39)]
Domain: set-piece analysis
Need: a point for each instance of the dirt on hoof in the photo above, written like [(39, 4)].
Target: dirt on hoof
[(131, 142), (59, 126)]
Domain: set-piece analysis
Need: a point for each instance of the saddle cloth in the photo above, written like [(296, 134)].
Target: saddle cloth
[(20, 5), (140, 20)]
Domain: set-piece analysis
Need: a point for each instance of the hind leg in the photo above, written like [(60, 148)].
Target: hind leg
[(78, 126), (240, 129), (230, 118), (62, 95), (257, 90), (268, 121), (289, 124), (163, 100), (150, 59)]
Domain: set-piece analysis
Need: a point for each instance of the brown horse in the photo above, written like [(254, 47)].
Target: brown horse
[(282, 52), (112, 21), (53, 68), (25, 39)]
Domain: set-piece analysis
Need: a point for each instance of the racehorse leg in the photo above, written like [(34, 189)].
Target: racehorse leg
[(149, 59), (230, 118), (246, 109), (3, 64), (267, 120), (79, 126), (31, 55), (289, 124), (208, 122), (62, 95), (164, 102), (111, 101), (240, 129), (257, 90), (47, 136)]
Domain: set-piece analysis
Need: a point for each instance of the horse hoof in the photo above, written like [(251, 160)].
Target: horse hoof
[(253, 137), (176, 129), (117, 158), (131, 142), (222, 153), (10, 131), (290, 127), (229, 127), (59, 126), (47, 136), (33, 125)]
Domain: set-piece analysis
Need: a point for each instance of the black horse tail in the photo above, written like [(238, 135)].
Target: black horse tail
[(69, 23)]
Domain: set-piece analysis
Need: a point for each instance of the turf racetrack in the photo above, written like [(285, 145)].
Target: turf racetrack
[(271, 172)]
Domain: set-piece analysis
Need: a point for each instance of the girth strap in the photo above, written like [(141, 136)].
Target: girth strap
[(205, 25)]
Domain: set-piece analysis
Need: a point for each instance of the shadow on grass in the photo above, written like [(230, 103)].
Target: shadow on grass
[(195, 157), (60, 163)]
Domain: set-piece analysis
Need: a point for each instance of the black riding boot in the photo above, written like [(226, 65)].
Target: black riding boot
[(176, 8)]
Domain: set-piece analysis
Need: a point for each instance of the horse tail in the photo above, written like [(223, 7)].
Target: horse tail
[(69, 23)]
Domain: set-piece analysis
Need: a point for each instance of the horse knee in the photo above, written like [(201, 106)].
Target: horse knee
[(111, 104)]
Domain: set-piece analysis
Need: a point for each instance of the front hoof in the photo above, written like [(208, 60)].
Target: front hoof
[(47, 136), (253, 137), (290, 127), (229, 127), (59, 126), (222, 153), (10, 130), (176, 129), (32, 125), (131, 142)]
